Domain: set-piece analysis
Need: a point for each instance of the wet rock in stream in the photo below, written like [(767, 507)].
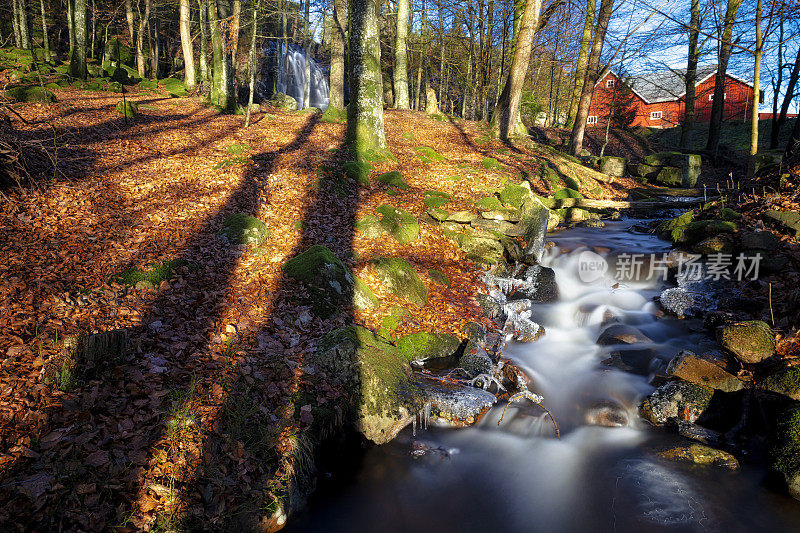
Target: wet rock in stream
[(675, 401), (606, 414), (456, 404)]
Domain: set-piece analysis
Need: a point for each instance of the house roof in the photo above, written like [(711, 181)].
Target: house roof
[(669, 85)]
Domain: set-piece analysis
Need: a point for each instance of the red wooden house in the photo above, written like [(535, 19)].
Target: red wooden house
[(657, 99)]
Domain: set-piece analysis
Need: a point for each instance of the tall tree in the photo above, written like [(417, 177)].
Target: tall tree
[(758, 52), (401, 100), (251, 62), (365, 133), (505, 120), (791, 86), (24, 29), (218, 92), (77, 62), (45, 37), (71, 25), (336, 100), (592, 73), (307, 58), (583, 59), (129, 18), (141, 63), (726, 47), (691, 74), (190, 76), (203, 8)]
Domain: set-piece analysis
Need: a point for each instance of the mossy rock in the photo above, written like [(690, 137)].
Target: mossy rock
[(462, 217), (398, 223), (428, 155), (488, 203), (244, 229), (750, 341), (439, 277), (785, 449), (424, 346), (701, 455), (784, 380), (393, 179), (399, 276), (358, 171), (673, 229), (726, 213), (52, 86), (283, 101), (482, 250), (333, 115), (438, 214), (175, 87), (718, 244), (32, 94), (370, 226), (377, 375), (676, 401), (392, 321), (148, 84), (566, 193), (508, 215), (151, 275), (514, 195), (490, 163), (669, 176), (127, 108), (117, 51), (238, 148), (435, 198)]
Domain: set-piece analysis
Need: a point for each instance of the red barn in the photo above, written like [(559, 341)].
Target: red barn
[(657, 100)]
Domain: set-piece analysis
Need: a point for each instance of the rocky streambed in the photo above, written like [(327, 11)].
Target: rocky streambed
[(624, 399)]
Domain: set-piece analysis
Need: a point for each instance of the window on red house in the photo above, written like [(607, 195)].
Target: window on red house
[(591, 120), (609, 83), (655, 115)]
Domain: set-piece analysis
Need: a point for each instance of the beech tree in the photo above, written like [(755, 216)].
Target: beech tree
[(186, 45), (583, 59), (77, 61), (401, 100), (365, 134)]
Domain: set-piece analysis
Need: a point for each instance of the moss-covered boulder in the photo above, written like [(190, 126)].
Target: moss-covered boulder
[(700, 454), (760, 240), (115, 50), (399, 276), (438, 214), (428, 155), (329, 282), (750, 341), (513, 195), (704, 370), (508, 215), (565, 193), (127, 108), (398, 223), (784, 380), (790, 220), (240, 228), (718, 244), (490, 163), (669, 176), (785, 449), (462, 217), (673, 229), (534, 223), (32, 94), (613, 166), (385, 398), (370, 226), (175, 87), (358, 171), (676, 401), (435, 198), (283, 101), (643, 171), (393, 179), (482, 250), (424, 346), (488, 203)]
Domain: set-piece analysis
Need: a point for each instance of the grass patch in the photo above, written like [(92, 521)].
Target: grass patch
[(428, 155), (154, 273)]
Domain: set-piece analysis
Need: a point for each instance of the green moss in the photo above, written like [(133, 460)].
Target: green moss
[(727, 213), (435, 198), (439, 277), (423, 345), (784, 381), (488, 203), (490, 163), (127, 108), (514, 195), (329, 282), (33, 94), (398, 223), (565, 193), (175, 87), (239, 149), (333, 115), (358, 171), (370, 225), (399, 276), (786, 449), (244, 229), (428, 155), (393, 179), (153, 274)]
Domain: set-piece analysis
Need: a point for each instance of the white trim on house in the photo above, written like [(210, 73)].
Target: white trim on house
[(656, 115), (591, 119)]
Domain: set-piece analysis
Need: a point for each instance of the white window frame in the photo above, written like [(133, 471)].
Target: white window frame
[(711, 97), (592, 119), (656, 115), (609, 83)]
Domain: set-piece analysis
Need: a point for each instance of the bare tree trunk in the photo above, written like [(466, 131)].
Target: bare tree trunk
[(251, 63), (758, 53), (45, 38), (691, 75), (505, 119), (129, 18), (141, 66), (190, 78), (71, 25), (365, 133), (583, 59), (780, 120), (421, 61), (336, 101), (307, 59), (233, 52), (203, 7), (718, 105), (77, 63), (218, 93), (24, 29), (15, 23), (592, 73), (94, 30), (467, 85), (401, 100)]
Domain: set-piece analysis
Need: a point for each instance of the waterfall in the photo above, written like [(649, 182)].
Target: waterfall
[(291, 82)]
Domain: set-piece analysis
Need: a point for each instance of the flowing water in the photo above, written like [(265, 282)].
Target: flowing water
[(291, 81), (517, 476)]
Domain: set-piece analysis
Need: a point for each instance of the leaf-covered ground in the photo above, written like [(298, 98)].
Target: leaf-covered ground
[(201, 420)]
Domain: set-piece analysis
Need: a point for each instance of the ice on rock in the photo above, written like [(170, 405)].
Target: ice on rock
[(678, 301)]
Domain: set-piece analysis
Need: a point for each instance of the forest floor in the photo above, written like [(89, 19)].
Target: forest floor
[(195, 422)]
